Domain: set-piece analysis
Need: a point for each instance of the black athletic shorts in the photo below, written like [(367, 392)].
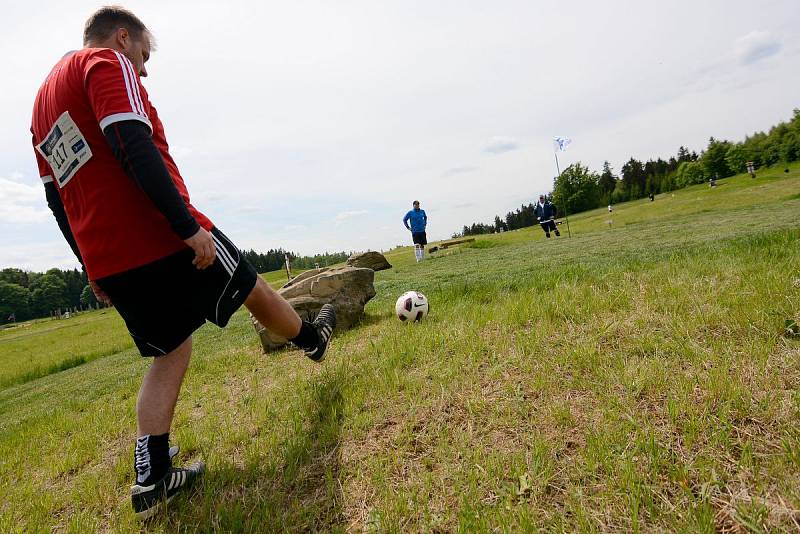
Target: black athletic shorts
[(163, 302), (419, 238), (548, 225)]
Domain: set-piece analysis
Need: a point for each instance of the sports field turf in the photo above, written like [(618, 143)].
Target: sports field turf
[(634, 377)]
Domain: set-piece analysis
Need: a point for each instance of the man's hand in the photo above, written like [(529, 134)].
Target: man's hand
[(203, 246), (101, 295)]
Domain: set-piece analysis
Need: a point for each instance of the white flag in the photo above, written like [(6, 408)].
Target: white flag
[(561, 143)]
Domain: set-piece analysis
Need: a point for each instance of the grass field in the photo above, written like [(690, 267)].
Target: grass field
[(633, 378)]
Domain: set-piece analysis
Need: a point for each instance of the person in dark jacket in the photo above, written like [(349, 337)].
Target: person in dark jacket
[(545, 213)]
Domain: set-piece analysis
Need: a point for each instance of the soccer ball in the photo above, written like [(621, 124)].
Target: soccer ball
[(411, 306)]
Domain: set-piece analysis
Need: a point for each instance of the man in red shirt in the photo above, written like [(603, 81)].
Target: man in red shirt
[(124, 208)]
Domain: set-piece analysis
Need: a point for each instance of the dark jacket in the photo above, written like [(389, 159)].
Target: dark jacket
[(544, 212)]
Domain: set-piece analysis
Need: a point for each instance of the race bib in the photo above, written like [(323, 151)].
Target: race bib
[(65, 149)]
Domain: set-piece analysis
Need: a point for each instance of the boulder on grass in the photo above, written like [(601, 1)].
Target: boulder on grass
[(348, 289), (370, 260)]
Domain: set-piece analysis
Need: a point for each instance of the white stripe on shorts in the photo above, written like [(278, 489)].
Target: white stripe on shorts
[(223, 260), (225, 256)]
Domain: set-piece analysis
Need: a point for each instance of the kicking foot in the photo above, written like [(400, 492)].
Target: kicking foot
[(558, 234), (147, 500), (324, 323)]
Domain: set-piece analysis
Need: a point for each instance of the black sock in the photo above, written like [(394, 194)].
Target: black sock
[(151, 458), (308, 336)]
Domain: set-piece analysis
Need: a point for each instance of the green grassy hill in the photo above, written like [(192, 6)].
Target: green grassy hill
[(634, 377)]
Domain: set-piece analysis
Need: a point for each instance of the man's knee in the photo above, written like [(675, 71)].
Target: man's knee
[(180, 354), (262, 292)]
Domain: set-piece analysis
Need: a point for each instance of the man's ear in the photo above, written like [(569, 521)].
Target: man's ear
[(122, 36)]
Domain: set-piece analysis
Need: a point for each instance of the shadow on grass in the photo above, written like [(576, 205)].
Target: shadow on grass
[(299, 492), (375, 317)]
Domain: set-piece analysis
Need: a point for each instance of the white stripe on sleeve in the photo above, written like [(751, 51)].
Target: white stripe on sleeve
[(137, 96), (121, 59)]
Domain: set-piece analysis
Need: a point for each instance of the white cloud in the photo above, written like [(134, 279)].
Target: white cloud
[(458, 170), (498, 145), (39, 256), (22, 203), (210, 196), (345, 215), (757, 45), (251, 209)]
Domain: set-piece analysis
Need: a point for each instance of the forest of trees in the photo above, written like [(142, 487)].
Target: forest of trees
[(274, 260), (27, 295), (579, 189)]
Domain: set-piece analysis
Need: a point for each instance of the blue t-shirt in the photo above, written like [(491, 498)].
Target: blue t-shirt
[(418, 220)]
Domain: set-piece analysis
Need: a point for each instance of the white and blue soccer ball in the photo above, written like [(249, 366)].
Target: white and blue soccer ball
[(412, 306)]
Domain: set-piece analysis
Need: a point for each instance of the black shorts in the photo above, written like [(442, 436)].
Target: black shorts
[(163, 302), (548, 225), (419, 238)]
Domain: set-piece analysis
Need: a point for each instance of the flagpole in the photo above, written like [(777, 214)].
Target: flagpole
[(566, 216)]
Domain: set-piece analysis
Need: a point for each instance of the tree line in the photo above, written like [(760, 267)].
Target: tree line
[(275, 259), (579, 189), (28, 295)]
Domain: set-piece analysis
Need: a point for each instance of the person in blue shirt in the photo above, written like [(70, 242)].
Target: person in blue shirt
[(418, 221)]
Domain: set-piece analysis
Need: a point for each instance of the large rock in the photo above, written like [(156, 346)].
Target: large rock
[(369, 260), (347, 288)]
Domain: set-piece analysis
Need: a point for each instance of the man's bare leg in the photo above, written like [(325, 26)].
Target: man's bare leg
[(159, 392), (156, 479), (272, 310)]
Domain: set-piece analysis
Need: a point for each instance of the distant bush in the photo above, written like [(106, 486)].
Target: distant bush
[(689, 173)]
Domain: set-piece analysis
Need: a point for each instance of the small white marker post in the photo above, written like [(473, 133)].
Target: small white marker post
[(288, 267)]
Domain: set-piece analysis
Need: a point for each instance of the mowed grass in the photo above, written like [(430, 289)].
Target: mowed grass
[(632, 378), (39, 348)]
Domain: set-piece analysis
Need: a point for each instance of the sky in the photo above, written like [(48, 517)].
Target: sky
[(312, 126)]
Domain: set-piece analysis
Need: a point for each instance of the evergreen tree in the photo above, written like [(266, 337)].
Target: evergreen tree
[(607, 182), (633, 179)]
